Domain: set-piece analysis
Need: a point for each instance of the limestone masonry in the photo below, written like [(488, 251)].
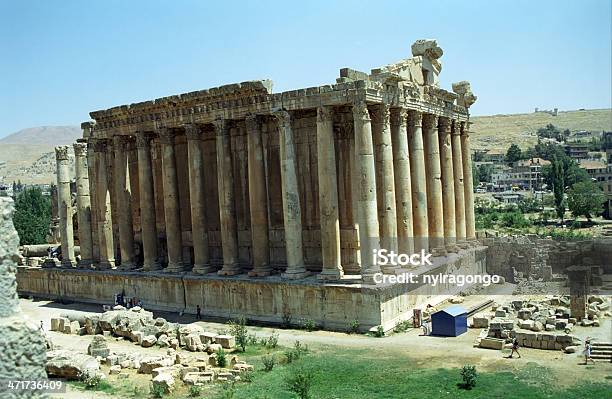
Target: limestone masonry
[(291, 191)]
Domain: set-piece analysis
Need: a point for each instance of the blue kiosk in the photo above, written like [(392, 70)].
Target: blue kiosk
[(449, 322)]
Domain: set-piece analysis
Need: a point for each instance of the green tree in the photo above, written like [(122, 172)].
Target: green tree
[(32, 216), (513, 154), (585, 199), (558, 187)]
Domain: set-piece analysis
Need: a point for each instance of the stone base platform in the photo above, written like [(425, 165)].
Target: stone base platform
[(271, 299)]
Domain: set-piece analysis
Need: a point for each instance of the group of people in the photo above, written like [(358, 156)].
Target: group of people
[(121, 299)]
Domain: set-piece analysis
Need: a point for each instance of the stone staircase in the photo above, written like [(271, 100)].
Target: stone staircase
[(602, 351)]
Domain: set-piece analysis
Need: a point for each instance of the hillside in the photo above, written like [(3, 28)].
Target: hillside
[(27, 155), (499, 131)]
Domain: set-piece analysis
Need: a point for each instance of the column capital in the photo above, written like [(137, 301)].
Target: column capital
[(61, 153), (430, 121), (252, 123), (166, 135), (143, 139), (455, 127), (360, 111), (399, 116), (415, 118), (193, 131), (325, 114), (283, 117), (100, 145), (221, 126), (444, 125), (87, 128), (121, 143), (80, 149), (463, 129), (381, 114)]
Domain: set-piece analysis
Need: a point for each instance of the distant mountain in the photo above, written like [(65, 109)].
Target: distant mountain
[(44, 135)]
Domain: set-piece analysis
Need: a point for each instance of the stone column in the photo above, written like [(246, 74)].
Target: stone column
[(105, 220), (91, 175), (468, 183), (458, 184), (448, 188), (124, 203), (417, 174), (403, 186), (148, 223), (199, 231), (292, 211), (385, 181), (174, 239), (65, 206), (367, 210), (434, 185), (227, 212), (258, 199), (83, 204), (328, 196)]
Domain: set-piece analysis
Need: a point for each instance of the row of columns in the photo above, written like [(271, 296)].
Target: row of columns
[(412, 183)]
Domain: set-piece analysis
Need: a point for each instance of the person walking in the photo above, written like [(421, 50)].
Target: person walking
[(198, 312), (515, 346), (587, 352)]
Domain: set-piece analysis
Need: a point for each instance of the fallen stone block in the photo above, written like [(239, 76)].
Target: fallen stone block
[(198, 378), (164, 382), (147, 364), (226, 341), (480, 322), (70, 365), (98, 347), (492, 343), (116, 369), (148, 341)]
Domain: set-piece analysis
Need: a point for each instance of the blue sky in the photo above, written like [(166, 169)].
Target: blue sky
[(62, 59)]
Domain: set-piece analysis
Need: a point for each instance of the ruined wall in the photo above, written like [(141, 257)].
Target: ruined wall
[(23, 348), (527, 253)]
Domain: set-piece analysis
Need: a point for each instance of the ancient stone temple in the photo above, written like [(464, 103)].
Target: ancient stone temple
[(251, 202)]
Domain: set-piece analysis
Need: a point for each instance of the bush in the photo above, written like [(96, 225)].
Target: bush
[(239, 331), (402, 326), (296, 352), (380, 332), (91, 379), (300, 382), (272, 341), (227, 390), (246, 376), (353, 327), (195, 391), (468, 374), (309, 324), (157, 391), (221, 358), (286, 323), (268, 362)]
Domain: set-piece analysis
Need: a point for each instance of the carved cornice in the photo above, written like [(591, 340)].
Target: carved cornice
[(325, 114), (283, 117), (80, 149), (193, 131), (415, 118), (360, 111), (100, 145), (430, 121), (399, 116)]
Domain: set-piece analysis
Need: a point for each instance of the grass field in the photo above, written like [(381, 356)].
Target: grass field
[(499, 131), (347, 374)]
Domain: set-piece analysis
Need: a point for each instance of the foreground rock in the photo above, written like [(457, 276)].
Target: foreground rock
[(71, 365)]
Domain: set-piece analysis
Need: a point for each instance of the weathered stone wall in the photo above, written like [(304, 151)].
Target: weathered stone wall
[(526, 252), (331, 306), (22, 346)]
